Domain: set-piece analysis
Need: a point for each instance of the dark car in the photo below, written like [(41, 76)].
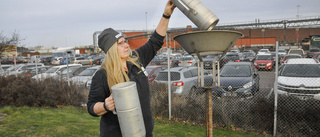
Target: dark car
[(238, 79), (311, 52), (229, 57), (46, 60), (248, 56), (98, 60), (208, 61)]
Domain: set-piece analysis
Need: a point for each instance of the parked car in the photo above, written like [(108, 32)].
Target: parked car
[(73, 71), (184, 80), (56, 70), (63, 60), (290, 56), (229, 57), (297, 51), (153, 71), (250, 51), (316, 55), (85, 76), (264, 61), (81, 60), (3, 69), (282, 52), (98, 60), (300, 77), (238, 79), (208, 61), (46, 60), (186, 61), (311, 52), (56, 60), (21, 68), (25, 59), (235, 51), (30, 72), (248, 56), (263, 51), (157, 60)]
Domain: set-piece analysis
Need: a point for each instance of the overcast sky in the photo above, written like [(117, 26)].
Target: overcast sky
[(67, 23)]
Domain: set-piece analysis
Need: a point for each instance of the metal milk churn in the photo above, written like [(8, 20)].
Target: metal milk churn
[(198, 13), (128, 109)]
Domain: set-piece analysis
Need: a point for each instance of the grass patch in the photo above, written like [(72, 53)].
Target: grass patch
[(71, 121)]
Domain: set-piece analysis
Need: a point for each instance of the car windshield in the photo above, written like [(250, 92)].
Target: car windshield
[(248, 54), (301, 70), (13, 68), (282, 51), (88, 72), (263, 50), (163, 76), (262, 57), (235, 71), (292, 57), (300, 52), (232, 57), (314, 50), (52, 70), (71, 70)]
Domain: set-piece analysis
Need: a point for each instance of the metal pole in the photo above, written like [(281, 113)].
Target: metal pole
[(276, 92), (15, 63), (67, 70), (169, 78)]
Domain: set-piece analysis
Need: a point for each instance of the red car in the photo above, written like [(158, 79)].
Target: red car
[(264, 61)]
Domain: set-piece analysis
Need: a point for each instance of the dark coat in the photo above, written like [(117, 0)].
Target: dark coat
[(99, 90)]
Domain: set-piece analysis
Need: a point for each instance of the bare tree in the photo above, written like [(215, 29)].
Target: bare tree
[(5, 41)]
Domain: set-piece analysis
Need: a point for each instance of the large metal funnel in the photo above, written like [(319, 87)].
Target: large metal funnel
[(211, 42)]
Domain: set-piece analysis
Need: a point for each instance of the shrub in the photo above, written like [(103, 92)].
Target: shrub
[(25, 91)]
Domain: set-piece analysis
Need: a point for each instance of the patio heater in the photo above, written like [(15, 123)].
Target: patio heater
[(207, 43)]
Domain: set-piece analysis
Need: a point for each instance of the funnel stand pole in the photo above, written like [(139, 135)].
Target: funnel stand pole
[(209, 112)]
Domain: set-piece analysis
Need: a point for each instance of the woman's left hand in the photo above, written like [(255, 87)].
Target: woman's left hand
[(169, 8)]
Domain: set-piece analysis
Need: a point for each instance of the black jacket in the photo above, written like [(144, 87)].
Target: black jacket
[(99, 90)]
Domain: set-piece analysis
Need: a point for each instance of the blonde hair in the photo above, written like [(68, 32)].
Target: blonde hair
[(114, 67)]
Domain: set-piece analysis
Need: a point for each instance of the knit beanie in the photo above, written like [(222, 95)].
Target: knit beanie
[(107, 38)]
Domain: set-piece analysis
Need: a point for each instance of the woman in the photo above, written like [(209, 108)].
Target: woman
[(119, 66)]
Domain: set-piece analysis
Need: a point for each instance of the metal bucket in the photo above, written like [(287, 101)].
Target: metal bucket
[(198, 13), (128, 108)]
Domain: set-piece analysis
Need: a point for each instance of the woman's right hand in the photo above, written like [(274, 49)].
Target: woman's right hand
[(109, 103)]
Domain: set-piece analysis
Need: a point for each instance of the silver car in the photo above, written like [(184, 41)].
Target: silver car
[(85, 76), (184, 80), (187, 61)]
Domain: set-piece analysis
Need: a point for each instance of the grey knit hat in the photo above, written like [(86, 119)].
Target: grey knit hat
[(107, 38)]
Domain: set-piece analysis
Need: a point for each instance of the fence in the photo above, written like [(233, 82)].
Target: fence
[(259, 111)]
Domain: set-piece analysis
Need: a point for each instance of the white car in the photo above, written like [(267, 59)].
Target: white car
[(19, 69), (263, 51), (56, 70), (300, 77)]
